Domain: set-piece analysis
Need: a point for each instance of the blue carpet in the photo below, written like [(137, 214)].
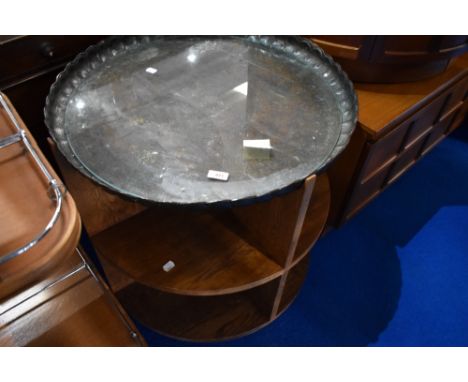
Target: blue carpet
[(395, 275)]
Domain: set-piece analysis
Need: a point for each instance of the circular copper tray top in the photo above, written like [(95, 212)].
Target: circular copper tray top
[(148, 117)]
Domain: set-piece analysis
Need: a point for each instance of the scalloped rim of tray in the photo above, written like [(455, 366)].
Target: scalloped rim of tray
[(84, 63)]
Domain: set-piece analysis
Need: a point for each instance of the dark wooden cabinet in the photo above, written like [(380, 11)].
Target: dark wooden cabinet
[(392, 58), (409, 49), (24, 57), (29, 66), (346, 47)]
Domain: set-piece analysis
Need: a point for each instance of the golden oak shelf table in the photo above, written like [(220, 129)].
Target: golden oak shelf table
[(137, 123)]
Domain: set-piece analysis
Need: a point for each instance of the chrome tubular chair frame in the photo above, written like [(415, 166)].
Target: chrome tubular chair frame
[(54, 185)]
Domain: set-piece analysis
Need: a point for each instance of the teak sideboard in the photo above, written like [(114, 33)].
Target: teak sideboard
[(397, 125)]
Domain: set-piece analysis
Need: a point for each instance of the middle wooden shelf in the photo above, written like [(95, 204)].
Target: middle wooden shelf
[(209, 258)]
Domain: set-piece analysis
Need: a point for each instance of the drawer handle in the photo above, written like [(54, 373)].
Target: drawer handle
[(47, 50)]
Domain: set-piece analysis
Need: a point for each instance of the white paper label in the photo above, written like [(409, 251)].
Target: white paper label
[(151, 70), (257, 144), (218, 175), (168, 266)]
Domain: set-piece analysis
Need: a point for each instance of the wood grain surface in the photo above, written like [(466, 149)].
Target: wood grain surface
[(209, 258), (69, 307), (384, 106)]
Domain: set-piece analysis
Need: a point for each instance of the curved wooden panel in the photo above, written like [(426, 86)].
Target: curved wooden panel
[(25, 209)]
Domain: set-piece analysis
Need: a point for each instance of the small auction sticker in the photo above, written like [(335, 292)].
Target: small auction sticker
[(218, 175), (168, 266), (151, 70)]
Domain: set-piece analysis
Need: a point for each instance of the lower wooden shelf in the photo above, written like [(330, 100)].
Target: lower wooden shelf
[(211, 318), (200, 318)]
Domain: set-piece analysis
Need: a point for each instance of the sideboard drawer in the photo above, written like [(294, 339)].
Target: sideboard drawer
[(366, 191), (438, 133), (423, 121), (457, 95), (405, 161), (384, 151), (459, 117)]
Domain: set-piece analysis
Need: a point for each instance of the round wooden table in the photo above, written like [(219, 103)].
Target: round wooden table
[(149, 119)]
